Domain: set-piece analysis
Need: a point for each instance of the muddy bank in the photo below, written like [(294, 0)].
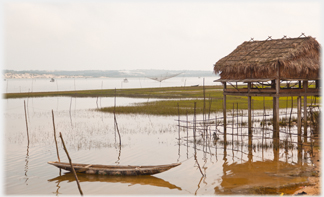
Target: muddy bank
[(314, 187)]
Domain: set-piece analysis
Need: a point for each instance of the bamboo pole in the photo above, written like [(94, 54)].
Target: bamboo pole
[(194, 133), (57, 152), (70, 112), (204, 112), (187, 131), (178, 123), (115, 120), (26, 121), (71, 164), (224, 106)]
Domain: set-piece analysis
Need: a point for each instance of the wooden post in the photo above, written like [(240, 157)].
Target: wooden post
[(71, 164), (305, 86), (276, 109), (299, 116), (57, 152), (249, 109), (233, 125), (237, 122), (317, 84), (224, 107), (277, 115), (26, 121), (250, 154)]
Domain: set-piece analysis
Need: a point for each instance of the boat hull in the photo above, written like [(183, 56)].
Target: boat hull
[(114, 170)]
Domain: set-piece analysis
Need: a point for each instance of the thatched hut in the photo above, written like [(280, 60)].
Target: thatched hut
[(275, 61), (297, 58)]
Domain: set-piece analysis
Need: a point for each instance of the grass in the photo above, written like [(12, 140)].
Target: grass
[(167, 92), (185, 97), (215, 104)]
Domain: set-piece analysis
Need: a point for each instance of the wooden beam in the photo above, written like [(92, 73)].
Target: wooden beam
[(272, 95), (273, 91)]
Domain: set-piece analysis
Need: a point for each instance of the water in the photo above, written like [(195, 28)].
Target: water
[(233, 168), (67, 84)]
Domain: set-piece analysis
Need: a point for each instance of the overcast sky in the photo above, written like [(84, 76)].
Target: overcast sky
[(97, 35)]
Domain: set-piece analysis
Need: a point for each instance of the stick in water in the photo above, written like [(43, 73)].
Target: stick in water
[(57, 152), (75, 175), (26, 122)]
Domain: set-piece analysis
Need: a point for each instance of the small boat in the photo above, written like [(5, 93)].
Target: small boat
[(52, 80), (114, 169)]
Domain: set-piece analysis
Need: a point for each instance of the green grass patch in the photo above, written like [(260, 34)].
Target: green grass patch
[(214, 104), (179, 95), (167, 92)]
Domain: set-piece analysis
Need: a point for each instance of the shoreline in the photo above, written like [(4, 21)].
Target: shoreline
[(314, 189)]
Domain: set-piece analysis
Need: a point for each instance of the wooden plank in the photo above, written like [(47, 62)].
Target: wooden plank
[(272, 95), (269, 90)]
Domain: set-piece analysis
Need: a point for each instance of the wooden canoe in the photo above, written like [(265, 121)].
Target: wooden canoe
[(114, 169)]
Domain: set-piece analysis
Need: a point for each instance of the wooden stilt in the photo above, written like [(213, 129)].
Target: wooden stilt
[(305, 118), (299, 116), (249, 109), (224, 108), (233, 125), (305, 86), (276, 121)]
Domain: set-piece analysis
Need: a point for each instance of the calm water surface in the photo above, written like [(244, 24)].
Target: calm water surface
[(66, 84), (232, 168)]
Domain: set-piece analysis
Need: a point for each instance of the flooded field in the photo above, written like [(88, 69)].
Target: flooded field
[(243, 165)]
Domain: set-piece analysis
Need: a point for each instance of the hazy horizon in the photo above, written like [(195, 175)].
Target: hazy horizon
[(97, 35)]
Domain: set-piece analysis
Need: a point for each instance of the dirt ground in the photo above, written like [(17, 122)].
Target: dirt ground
[(315, 181)]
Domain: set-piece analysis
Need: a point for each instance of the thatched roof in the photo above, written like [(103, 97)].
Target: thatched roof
[(298, 58)]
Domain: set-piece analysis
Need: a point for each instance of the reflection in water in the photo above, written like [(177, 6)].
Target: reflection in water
[(271, 174), (198, 186), (244, 177), (132, 180), (26, 165), (57, 190), (118, 159)]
